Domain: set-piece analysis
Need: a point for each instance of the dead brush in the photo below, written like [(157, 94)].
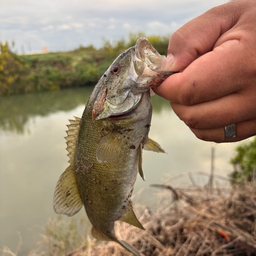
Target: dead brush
[(200, 222)]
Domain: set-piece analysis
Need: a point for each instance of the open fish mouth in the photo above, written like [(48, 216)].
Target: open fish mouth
[(132, 74), (121, 110), (129, 111)]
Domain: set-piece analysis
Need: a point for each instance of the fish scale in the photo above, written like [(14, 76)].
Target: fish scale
[(105, 145)]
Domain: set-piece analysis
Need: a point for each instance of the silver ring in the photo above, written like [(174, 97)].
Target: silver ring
[(230, 131)]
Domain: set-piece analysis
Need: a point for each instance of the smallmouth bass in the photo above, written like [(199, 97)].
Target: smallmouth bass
[(105, 145)]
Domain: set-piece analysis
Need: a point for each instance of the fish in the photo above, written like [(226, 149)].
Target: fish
[(105, 145)]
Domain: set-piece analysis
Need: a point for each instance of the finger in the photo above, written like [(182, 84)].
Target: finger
[(212, 76), (200, 35), (244, 130), (234, 108)]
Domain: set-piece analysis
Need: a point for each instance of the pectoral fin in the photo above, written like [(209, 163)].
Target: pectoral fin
[(152, 93), (66, 196), (151, 145), (109, 148), (131, 218)]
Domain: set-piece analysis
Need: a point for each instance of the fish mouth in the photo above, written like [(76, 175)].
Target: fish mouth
[(127, 113), (122, 110), (136, 70)]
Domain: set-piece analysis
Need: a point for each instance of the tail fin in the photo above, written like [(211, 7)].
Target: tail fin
[(129, 248)]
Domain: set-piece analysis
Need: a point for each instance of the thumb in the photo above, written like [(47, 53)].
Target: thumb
[(199, 36)]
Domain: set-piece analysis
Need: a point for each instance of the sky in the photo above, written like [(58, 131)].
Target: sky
[(62, 25)]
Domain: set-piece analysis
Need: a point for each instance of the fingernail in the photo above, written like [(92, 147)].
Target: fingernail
[(167, 64)]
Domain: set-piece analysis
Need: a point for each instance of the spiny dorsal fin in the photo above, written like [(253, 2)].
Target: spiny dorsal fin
[(151, 145), (71, 139), (109, 148), (131, 218), (66, 196)]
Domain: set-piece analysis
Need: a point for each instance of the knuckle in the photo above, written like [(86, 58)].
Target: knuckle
[(201, 136), (187, 97), (190, 121), (207, 135)]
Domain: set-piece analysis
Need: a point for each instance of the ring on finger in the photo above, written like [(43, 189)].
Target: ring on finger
[(230, 131)]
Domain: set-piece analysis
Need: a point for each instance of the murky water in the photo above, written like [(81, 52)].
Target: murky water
[(32, 157)]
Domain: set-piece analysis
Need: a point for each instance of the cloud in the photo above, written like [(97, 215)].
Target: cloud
[(73, 26), (158, 27), (77, 25), (127, 26), (48, 28), (64, 27), (92, 24), (111, 27), (86, 22)]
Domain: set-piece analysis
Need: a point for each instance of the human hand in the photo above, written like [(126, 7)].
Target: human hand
[(218, 88)]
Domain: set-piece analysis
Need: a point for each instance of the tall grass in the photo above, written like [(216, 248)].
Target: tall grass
[(54, 71)]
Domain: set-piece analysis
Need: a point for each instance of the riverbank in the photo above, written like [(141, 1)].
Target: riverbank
[(190, 220), (55, 71), (194, 221)]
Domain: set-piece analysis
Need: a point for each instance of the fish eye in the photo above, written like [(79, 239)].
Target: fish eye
[(115, 70)]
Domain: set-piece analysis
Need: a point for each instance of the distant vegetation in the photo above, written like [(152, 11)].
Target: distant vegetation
[(54, 71), (244, 163)]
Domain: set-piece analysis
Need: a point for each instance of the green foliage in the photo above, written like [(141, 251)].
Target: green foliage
[(54, 71), (244, 163), (10, 70)]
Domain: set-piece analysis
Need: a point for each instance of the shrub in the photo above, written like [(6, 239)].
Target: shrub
[(10, 69), (244, 163)]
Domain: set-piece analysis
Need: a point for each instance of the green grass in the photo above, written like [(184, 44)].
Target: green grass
[(55, 71)]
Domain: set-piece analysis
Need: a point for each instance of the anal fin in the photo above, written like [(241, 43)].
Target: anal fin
[(131, 218)]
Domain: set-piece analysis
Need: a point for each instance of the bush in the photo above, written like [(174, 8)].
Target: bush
[(244, 163), (54, 71), (10, 70)]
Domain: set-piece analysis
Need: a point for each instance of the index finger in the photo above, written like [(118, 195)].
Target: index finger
[(211, 76)]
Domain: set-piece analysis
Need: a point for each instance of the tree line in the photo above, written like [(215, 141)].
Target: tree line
[(54, 71)]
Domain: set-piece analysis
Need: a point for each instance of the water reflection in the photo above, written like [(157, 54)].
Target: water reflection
[(17, 110), (33, 156)]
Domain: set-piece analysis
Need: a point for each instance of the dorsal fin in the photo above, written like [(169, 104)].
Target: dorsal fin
[(66, 196), (71, 139)]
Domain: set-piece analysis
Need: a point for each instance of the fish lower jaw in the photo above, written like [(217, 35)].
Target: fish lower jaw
[(121, 116)]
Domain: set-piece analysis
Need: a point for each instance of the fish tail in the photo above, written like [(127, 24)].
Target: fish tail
[(101, 236), (129, 247)]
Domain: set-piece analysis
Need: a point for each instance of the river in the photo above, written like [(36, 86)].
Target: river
[(33, 155)]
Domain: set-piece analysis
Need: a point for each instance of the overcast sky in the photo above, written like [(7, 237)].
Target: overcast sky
[(64, 25)]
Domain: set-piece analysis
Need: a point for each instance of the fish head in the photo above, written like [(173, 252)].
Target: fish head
[(133, 73)]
